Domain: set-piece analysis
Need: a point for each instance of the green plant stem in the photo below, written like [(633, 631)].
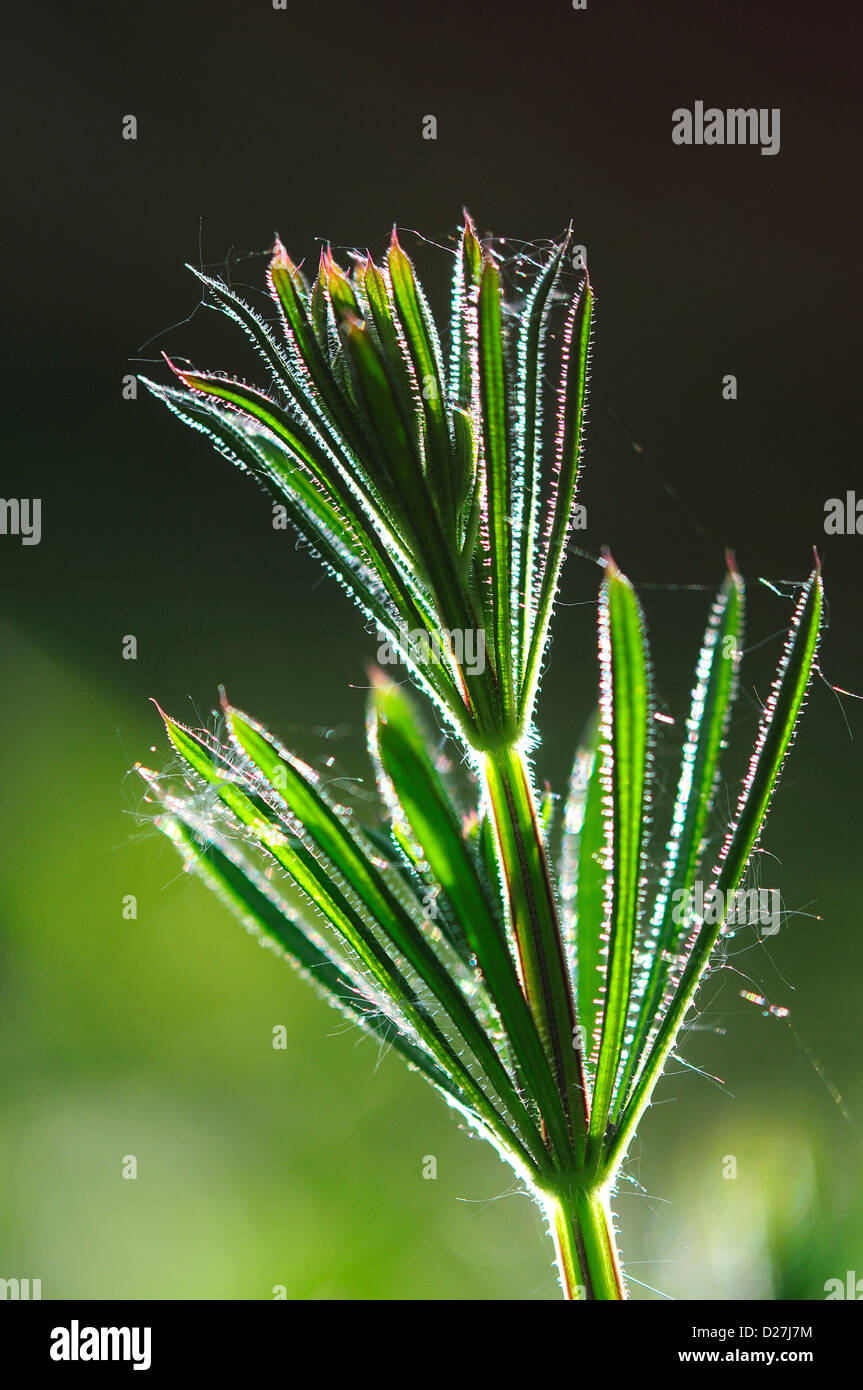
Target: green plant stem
[(581, 1226), (577, 1206), (541, 960)]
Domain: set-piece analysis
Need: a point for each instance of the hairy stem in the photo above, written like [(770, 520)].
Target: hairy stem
[(541, 959), (581, 1225)]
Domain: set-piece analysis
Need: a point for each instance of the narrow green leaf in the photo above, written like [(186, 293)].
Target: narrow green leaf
[(340, 290), (405, 864), (583, 877), (776, 731), (775, 734), (436, 828), (545, 812), (488, 862), (492, 383), (410, 848), (349, 307), (529, 397), (319, 316), (381, 548), (424, 349), (422, 519), (345, 852), (256, 450), (570, 442), (284, 376), (317, 882), (300, 439), (710, 711), (391, 343), (394, 436), (525, 878), (375, 576), (291, 295), (464, 459), (467, 269), (626, 716)]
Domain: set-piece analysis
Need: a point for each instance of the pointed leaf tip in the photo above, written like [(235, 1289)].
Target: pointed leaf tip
[(184, 376), (279, 258)]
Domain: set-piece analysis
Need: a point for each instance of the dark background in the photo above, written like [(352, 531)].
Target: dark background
[(706, 261)]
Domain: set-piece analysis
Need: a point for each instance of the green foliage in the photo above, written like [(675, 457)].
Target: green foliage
[(542, 1000)]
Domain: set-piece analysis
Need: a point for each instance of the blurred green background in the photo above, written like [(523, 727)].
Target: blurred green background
[(152, 1037)]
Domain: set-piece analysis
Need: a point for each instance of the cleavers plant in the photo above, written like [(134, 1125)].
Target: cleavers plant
[(543, 1000)]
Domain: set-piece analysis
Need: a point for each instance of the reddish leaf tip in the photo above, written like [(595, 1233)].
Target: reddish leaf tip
[(166, 718), (279, 258), (396, 250)]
